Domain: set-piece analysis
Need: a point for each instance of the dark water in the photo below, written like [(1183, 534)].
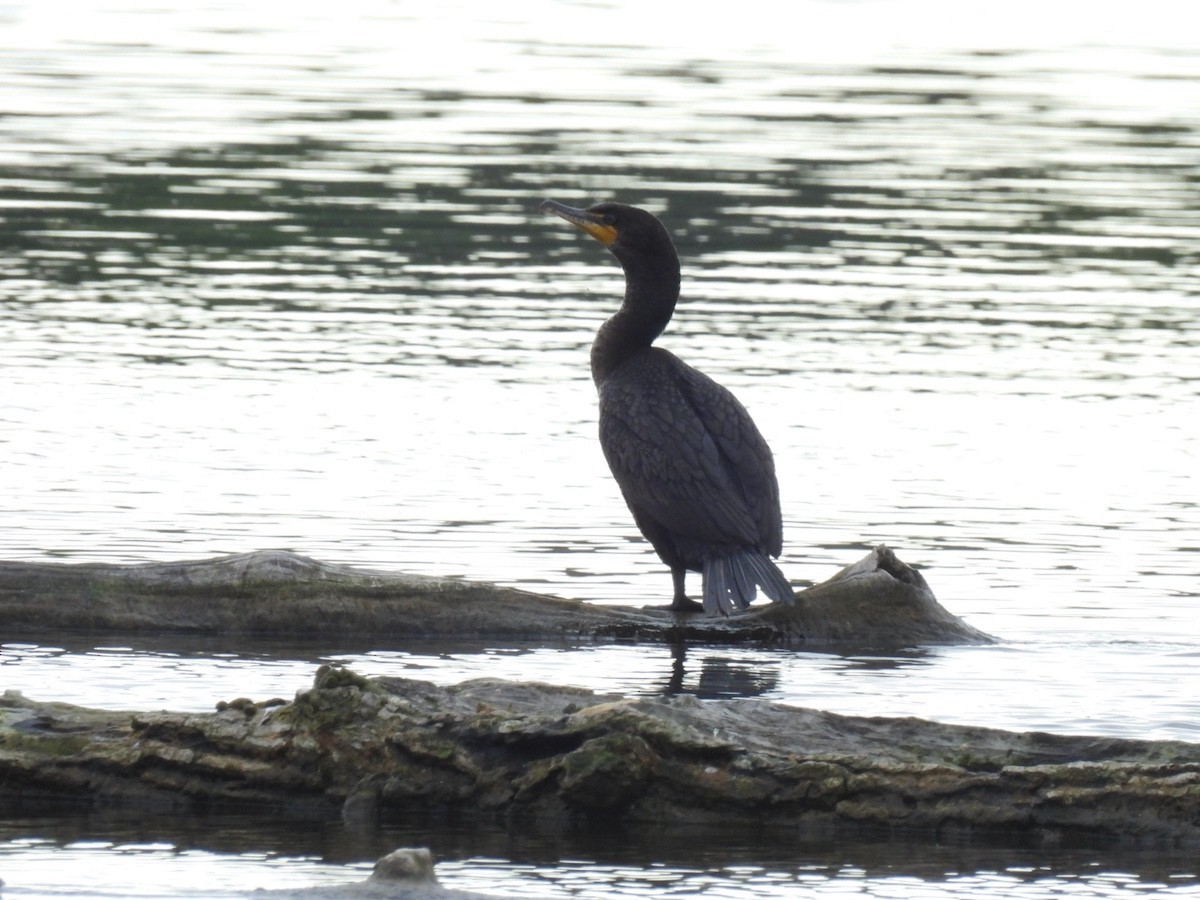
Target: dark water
[(211, 854), (273, 277)]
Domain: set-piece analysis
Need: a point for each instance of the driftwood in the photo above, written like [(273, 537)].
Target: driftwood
[(877, 602), (512, 753)]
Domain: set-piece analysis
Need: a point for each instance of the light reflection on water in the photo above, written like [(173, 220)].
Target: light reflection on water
[(1019, 687), (102, 868), (273, 278)]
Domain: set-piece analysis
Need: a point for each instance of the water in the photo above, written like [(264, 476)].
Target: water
[(274, 277), (550, 869)]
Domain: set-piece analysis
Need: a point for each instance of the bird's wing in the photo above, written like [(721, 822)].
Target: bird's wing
[(744, 451), (687, 454)]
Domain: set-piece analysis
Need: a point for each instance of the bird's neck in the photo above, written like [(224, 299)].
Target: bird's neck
[(650, 296)]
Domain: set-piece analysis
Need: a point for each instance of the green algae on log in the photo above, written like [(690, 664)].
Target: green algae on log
[(877, 602), (555, 756)]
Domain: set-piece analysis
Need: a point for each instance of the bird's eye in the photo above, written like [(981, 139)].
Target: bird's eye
[(610, 219)]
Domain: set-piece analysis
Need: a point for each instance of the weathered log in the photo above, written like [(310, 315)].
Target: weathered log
[(555, 756), (877, 602)]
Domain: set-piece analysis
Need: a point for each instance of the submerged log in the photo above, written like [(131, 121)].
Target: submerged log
[(557, 757), (877, 602)]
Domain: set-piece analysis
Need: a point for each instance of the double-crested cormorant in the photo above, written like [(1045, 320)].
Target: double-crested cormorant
[(697, 475)]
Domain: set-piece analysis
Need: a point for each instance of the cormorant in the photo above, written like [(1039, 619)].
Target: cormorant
[(694, 470)]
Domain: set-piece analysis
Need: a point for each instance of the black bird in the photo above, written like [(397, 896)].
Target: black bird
[(695, 472)]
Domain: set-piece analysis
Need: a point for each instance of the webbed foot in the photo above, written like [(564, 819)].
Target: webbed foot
[(684, 604)]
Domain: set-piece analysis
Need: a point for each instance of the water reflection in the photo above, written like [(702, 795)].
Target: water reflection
[(273, 279), (92, 858), (751, 673), (1060, 687), (720, 677)]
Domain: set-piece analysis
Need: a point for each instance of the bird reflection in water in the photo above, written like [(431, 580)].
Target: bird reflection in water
[(752, 675), (720, 677)]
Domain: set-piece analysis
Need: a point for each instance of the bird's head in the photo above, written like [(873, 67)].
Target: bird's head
[(633, 235)]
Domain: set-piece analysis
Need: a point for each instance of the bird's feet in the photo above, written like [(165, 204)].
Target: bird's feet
[(684, 604)]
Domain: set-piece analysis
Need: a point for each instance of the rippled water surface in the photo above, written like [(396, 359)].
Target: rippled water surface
[(684, 864), (273, 277)]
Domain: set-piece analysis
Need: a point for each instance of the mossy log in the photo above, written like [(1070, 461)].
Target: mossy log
[(557, 756), (877, 602)]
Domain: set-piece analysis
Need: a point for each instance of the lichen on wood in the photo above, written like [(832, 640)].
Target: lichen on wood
[(557, 756)]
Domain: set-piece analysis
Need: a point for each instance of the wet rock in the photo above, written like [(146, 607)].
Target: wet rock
[(877, 602), (407, 865), (563, 757), (404, 874)]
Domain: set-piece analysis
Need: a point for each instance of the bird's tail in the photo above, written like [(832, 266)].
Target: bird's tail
[(730, 581)]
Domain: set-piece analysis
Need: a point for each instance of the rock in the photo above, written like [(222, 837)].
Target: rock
[(564, 757), (877, 602), (404, 874), (411, 865)]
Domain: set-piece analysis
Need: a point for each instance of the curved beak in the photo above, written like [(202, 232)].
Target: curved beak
[(582, 219)]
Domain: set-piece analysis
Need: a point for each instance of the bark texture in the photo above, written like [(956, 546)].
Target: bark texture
[(562, 757), (877, 602)]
